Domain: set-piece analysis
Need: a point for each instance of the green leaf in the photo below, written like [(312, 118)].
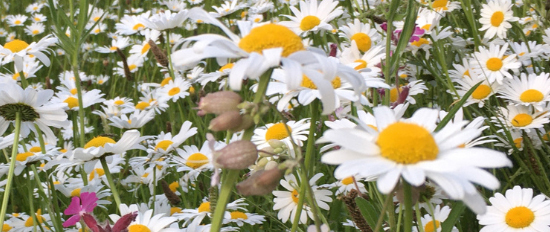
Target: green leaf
[(457, 210), (457, 106), (406, 34), (369, 212)]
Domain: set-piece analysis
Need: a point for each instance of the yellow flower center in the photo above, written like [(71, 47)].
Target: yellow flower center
[(75, 192), (145, 48), (96, 18), (174, 210), (347, 180), (138, 228), (6, 227), (17, 22), (362, 64), (99, 171), (165, 81), (309, 22), (164, 144), (34, 32), (37, 19), (174, 91), (119, 102), (138, 26), (174, 186), (142, 105), (497, 18), (35, 149), (132, 67), (74, 91), (72, 102), (271, 36), (521, 54), (430, 226), (467, 73), (519, 217), (481, 92), (494, 64), (23, 156), (362, 40), (99, 141), (16, 45), (277, 131), (295, 196), (238, 215), (531, 95), (306, 82), (196, 160), (426, 27), (227, 66), (204, 207), (522, 120), (113, 48), (394, 95), (30, 221), (420, 42), (440, 5), (407, 143)]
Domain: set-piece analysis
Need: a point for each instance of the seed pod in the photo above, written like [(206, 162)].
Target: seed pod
[(219, 102), (226, 121), (237, 155), (260, 183)]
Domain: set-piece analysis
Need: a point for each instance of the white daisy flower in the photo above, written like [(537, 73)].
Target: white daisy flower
[(463, 70), (362, 33), (442, 6), (39, 18), (520, 117), (120, 43), (526, 51), (481, 94), (35, 29), (166, 20), (496, 16), (392, 152), (174, 90), (136, 120), (298, 131), (286, 202), (433, 222), (528, 90), (145, 221), (34, 7), (16, 20), (369, 61), (195, 160), (493, 65), (227, 8), (312, 16), (414, 88), (104, 146), (518, 210), (131, 24), (16, 50), (165, 143)]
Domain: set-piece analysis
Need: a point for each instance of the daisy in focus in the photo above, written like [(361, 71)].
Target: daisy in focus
[(312, 16), (432, 222), (517, 210), (528, 90), (496, 16), (492, 64), (411, 149)]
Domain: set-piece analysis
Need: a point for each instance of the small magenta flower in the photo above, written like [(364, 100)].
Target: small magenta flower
[(89, 202)]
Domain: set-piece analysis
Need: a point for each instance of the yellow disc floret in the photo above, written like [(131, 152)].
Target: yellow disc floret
[(16, 45), (494, 64), (204, 207), (295, 196), (196, 160), (521, 120), (481, 92), (23, 156), (531, 95), (271, 36), (174, 91), (72, 102), (432, 226), (347, 180), (519, 217), (309, 22), (277, 131), (164, 144), (99, 141), (362, 40), (497, 18), (138, 228), (238, 215), (407, 143)]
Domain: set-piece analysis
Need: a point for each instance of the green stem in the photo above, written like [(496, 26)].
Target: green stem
[(111, 182), (310, 147), (80, 101), (381, 217), (299, 206), (408, 206), (11, 169), (24, 82), (168, 53), (31, 201)]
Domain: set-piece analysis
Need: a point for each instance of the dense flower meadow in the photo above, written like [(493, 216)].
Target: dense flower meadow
[(282, 115)]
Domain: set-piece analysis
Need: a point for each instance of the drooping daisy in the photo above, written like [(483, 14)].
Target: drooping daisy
[(492, 64), (277, 131), (496, 16), (433, 222), (410, 148), (313, 16), (528, 90), (287, 201), (521, 117), (517, 210), (34, 107)]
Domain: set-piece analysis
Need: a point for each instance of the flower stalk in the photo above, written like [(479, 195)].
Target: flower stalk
[(111, 182), (11, 169)]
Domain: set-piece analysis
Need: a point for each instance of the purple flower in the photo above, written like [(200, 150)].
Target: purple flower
[(89, 202)]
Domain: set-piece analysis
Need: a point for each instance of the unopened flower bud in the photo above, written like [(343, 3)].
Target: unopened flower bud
[(266, 152), (275, 143), (262, 162), (226, 121), (260, 183), (219, 102), (237, 155), (271, 165), (246, 122)]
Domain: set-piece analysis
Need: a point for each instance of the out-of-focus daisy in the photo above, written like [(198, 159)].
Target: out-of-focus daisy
[(34, 7), (16, 50), (518, 210), (433, 222), (136, 120), (496, 16), (35, 29), (277, 131), (363, 35), (392, 152), (130, 24), (134, 62), (166, 20), (287, 201), (103, 146), (39, 18), (165, 143), (480, 94), (528, 90), (442, 6), (145, 221), (521, 117), (227, 8), (16, 20), (526, 51), (413, 88), (34, 107), (493, 65), (313, 16), (120, 43), (175, 90)]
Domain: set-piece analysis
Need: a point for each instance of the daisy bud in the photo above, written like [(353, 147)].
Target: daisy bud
[(237, 155), (219, 102), (226, 121), (260, 183)]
